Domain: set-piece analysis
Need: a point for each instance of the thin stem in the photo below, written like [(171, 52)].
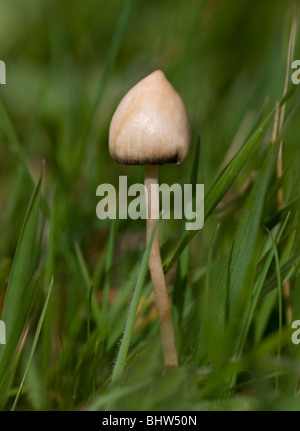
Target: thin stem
[(156, 271)]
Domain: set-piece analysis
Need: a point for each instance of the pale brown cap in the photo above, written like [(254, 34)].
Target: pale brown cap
[(150, 125)]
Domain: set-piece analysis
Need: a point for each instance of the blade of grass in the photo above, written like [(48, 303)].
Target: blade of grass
[(202, 341), (5, 267), (8, 378), (91, 291), (92, 303), (34, 344), (18, 196), (257, 291), (289, 269), (13, 308), (12, 137), (83, 266), (184, 263), (280, 305), (116, 325), (233, 292), (179, 294), (47, 331), (122, 355), (107, 273)]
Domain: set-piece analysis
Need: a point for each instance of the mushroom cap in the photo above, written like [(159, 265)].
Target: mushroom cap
[(150, 125)]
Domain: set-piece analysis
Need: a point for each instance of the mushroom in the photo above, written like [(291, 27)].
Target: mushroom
[(151, 127)]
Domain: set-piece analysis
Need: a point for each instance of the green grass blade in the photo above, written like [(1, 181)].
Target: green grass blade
[(34, 344), (117, 307), (202, 341), (184, 264), (83, 267), (257, 291), (233, 293), (47, 337), (9, 376), (12, 136), (93, 307), (91, 292), (12, 313), (280, 305), (4, 272), (122, 355), (107, 273), (288, 270), (179, 294)]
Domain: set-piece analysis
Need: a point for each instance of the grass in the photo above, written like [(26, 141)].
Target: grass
[(75, 294)]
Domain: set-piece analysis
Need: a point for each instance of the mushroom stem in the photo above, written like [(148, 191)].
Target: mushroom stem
[(156, 271)]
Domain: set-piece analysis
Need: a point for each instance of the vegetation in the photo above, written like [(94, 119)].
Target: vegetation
[(75, 293)]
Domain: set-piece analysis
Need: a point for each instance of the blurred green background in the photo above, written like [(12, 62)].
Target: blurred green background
[(68, 64), (223, 57)]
